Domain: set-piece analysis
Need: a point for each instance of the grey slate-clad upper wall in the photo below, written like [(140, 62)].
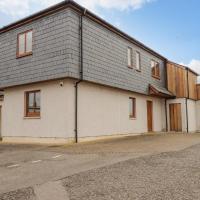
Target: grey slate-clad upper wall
[(105, 59), (56, 51), (52, 56)]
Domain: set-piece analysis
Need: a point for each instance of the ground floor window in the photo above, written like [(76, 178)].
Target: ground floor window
[(132, 107), (32, 103)]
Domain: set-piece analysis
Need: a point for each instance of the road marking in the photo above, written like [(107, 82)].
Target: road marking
[(57, 156), (36, 161), (10, 166)]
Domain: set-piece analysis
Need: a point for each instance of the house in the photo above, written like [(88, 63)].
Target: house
[(67, 75)]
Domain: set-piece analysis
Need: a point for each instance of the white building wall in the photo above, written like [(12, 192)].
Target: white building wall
[(101, 111), (182, 101), (105, 111), (57, 111), (198, 115), (192, 120)]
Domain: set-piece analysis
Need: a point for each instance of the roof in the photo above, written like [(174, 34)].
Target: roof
[(159, 91), (77, 7), (183, 66)]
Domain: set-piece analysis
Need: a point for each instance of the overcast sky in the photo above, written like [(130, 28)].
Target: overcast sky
[(171, 27)]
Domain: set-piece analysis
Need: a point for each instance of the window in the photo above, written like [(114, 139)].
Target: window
[(24, 46), (130, 57), (32, 104), (155, 69), (138, 64), (132, 107)]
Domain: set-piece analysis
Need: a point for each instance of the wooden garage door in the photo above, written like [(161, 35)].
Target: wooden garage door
[(175, 117)]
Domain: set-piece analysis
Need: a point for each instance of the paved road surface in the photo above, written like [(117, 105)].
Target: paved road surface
[(166, 176), (140, 166)]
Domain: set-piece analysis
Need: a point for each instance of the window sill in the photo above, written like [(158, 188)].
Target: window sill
[(36, 117), (138, 70), (24, 55), (132, 118), (130, 66), (156, 77)]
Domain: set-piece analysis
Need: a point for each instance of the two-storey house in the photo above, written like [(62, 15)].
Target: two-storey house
[(67, 75)]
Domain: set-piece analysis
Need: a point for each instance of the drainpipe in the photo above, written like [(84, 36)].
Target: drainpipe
[(166, 83), (186, 103), (166, 115), (81, 75)]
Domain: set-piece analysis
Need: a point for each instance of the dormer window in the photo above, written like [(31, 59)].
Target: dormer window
[(24, 43)]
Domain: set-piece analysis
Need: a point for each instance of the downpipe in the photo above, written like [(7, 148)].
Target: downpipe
[(81, 75)]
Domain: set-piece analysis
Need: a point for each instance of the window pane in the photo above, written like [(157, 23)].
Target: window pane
[(21, 44), (153, 67), (37, 99), (129, 56), (130, 107), (30, 110), (29, 42), (157, 70), (138, 60), (152, 64), (31, 100), (133, 102)]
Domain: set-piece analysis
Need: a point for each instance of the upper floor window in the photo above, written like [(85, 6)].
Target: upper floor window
[(130, 57), (32, 104), (24, 43), (138, 61), (155, 69), (132, 107)]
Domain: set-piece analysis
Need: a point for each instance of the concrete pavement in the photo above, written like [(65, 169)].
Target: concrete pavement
[(30, 166)]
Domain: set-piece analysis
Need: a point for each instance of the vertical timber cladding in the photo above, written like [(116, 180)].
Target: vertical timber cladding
[(171, 78), (192, 85), (175, 117), (198, 91), (177, 80)]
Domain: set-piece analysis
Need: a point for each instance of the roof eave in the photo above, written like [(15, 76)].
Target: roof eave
[(77, 7)]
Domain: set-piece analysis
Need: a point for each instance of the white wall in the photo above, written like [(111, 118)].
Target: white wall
[(105, 111), (192, 120), (101, 110), (198, 115), (192, 123), (57, 111), (183, 112)]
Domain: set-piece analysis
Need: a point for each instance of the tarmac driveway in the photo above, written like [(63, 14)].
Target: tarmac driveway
[(144, 167)]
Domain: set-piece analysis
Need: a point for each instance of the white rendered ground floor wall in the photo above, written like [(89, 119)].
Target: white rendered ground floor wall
[(198, 115), (102, 111), (190, 114)]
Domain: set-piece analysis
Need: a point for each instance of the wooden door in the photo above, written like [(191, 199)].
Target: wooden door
[(175, 117), (150, 116), (0, 122)]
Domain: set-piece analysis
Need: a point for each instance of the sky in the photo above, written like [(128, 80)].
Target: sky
[(170, 27)]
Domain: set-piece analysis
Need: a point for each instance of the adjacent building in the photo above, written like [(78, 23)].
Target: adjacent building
[(67, 75)]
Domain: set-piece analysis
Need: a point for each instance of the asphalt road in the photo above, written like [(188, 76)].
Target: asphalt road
[(148, 167), (165, 176)]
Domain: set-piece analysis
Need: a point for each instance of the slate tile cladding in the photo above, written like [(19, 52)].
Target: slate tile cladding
[(52, 53), (105, 59), (56, 54)]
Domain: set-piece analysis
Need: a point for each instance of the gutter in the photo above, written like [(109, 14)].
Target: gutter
[(80, 9), (81, 75)]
